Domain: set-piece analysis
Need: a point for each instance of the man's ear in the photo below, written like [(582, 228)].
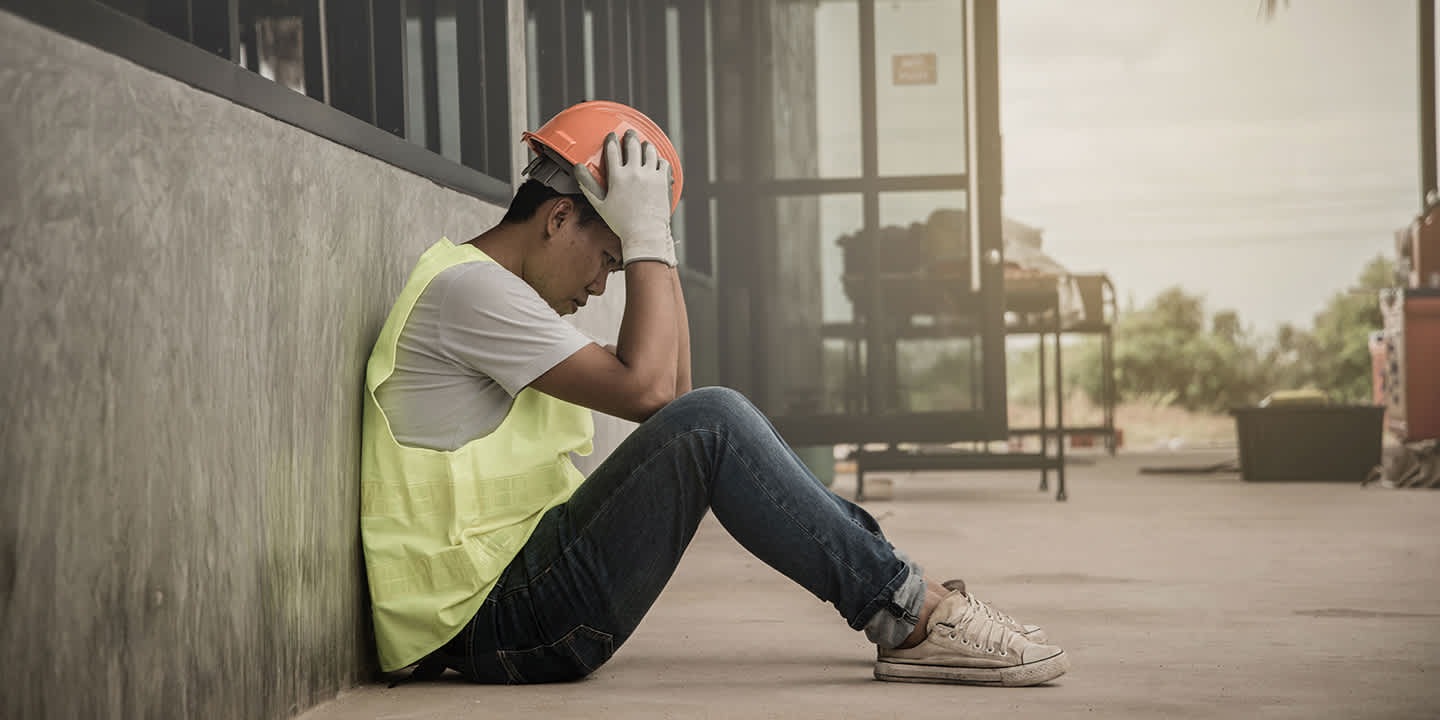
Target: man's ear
[(560, 211)]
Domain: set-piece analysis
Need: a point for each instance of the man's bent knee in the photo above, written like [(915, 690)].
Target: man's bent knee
[(713, 406)]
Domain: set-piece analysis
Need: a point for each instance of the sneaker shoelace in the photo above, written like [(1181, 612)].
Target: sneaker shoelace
[(980, 627), (992, 612)]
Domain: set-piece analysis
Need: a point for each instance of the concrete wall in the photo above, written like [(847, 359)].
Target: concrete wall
[(188, 294)]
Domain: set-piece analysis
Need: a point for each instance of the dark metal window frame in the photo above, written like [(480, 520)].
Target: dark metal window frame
[(160, 50)]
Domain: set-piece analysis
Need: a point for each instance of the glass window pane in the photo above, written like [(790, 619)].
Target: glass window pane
[(844, 376), (691, 254), (938, 374), (928, 314), (837, 89), (587, 52), (447, 71), (415, 111), (532, 72), (272, 33), (843, 370), (713, 120), (808, 83), (841, 220), (920, 86), (810, 338), (928, 233), (812, 75), (275, 31), (673, 122), (816, 355)]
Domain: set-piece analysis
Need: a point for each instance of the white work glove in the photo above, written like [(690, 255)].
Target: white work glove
[(636, 200)]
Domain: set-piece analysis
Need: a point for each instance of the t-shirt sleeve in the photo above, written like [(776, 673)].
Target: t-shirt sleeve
[(495, 324)]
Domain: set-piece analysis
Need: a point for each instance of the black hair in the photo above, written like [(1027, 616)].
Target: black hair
[(533, 193)]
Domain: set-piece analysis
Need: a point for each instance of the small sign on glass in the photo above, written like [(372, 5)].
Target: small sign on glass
[(914, 68)]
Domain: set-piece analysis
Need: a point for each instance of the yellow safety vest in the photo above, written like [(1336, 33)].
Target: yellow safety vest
[(439, 527)]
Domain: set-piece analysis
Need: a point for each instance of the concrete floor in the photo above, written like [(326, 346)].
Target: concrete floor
[(1176, 596)]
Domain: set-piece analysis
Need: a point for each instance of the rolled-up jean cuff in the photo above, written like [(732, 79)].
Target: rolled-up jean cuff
[(897, 617)]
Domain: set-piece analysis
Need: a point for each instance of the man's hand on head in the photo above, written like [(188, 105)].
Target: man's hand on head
[(636, 200)]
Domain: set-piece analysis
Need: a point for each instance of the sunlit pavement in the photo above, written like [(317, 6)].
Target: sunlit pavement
[(1195, 596)]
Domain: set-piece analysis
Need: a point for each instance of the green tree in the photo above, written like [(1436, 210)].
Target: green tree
[(1337, 355), (1168, 351)]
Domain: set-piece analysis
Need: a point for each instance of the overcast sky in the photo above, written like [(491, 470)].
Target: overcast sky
[(1187, 142)]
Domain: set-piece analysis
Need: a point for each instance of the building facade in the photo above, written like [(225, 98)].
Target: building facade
[(209, 205)]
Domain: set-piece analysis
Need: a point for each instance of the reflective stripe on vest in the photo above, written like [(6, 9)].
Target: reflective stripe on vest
[(438, 528)]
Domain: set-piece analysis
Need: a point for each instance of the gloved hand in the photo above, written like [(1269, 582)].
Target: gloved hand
[(636, 200)]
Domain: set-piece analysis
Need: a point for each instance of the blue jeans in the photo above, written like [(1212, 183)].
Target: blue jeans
[(596, 564)]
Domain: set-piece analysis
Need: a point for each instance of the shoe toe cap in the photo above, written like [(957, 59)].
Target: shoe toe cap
[(1037, 653)]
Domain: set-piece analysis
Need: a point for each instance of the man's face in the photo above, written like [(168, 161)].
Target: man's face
[(575, 262)]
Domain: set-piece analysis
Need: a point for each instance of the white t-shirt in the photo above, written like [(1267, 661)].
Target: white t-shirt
[(476, 337)]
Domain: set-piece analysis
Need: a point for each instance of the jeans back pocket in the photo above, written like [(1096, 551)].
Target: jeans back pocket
[(572, 657)]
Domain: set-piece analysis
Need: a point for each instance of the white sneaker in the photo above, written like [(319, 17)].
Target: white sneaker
[(967, 644), (1033, 633)]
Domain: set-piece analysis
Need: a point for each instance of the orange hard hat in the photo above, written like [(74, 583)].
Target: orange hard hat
[(576, 135)]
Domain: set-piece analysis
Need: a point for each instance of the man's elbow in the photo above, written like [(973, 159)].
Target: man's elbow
[(653, 400)]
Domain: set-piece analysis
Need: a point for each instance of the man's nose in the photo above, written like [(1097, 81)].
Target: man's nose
[(598, 287)]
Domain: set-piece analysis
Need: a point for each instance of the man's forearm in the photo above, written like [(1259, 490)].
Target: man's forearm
[(648, 343), (682, 367)]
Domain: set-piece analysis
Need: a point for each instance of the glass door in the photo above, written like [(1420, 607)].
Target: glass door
[(855, 203)]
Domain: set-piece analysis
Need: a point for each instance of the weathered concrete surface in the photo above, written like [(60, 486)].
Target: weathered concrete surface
[(188, 294), (1178, 597)]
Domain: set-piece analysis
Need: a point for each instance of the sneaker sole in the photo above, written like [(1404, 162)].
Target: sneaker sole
[(1034, 673)]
